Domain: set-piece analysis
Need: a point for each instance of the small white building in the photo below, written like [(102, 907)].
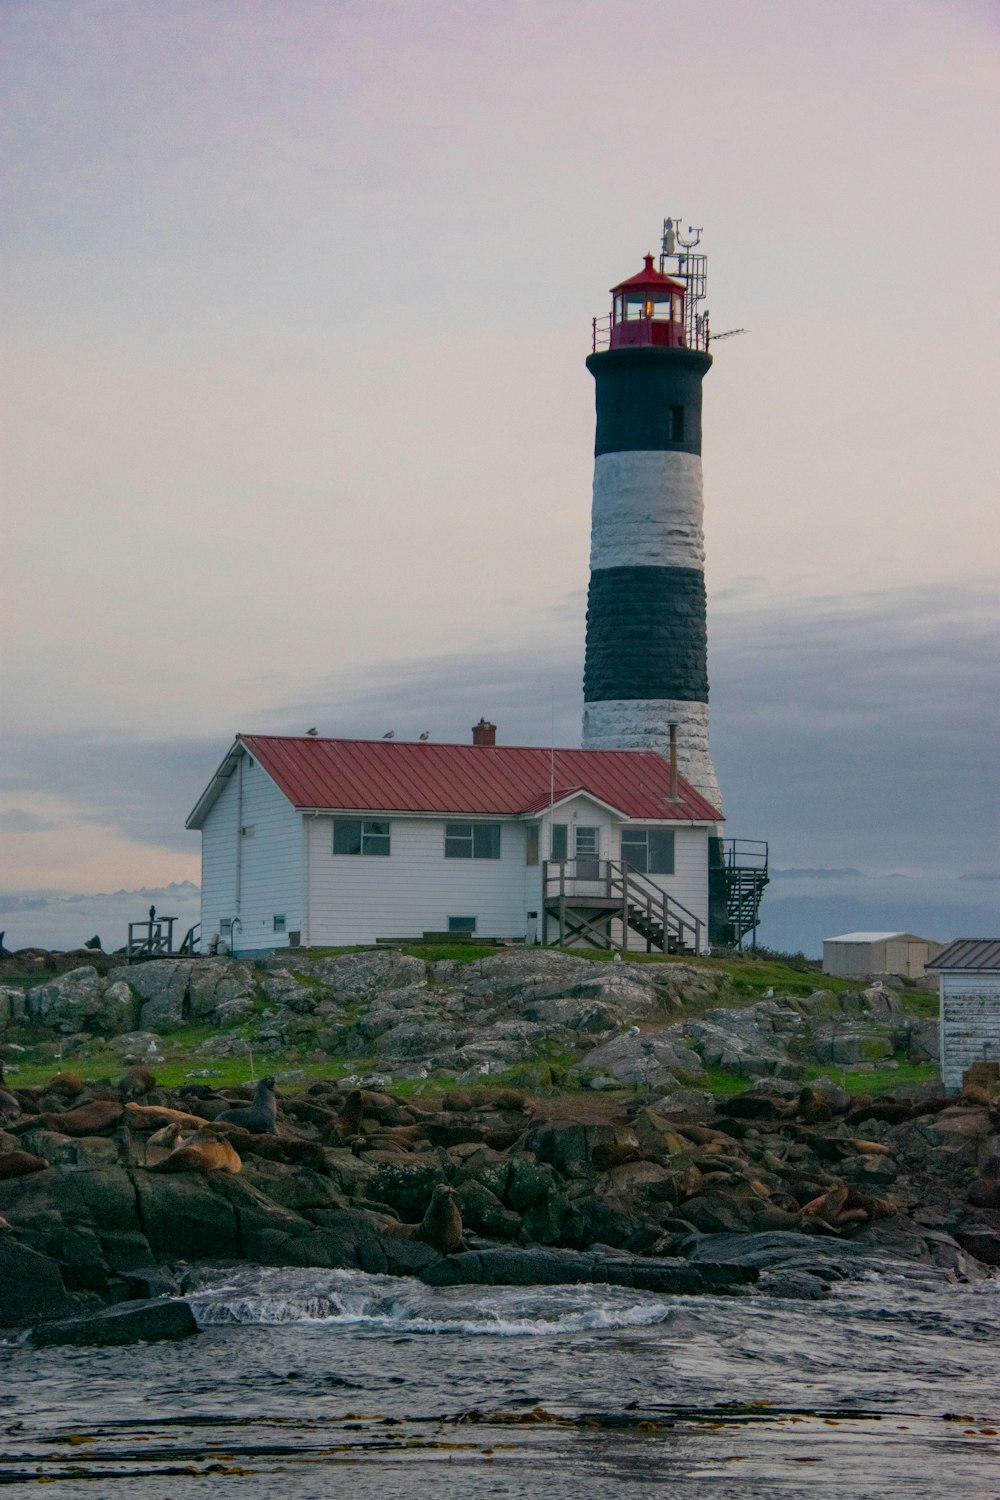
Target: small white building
[(969, 973), (856, 955), (309, 841)]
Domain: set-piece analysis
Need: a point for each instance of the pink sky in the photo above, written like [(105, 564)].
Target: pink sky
[(297, 298)]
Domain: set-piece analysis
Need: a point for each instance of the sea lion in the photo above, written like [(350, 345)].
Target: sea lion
[(167, 1137), (19, 1164), (441, 1225), (65, 1085), (10, 1107), (260, 1116), (99, 1117), (348, 1122), (202, 1152), (136, 1080), (155, 1116)]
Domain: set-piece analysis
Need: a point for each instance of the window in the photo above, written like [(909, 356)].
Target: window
[(587, 844), (531, 845), (360, 836), (278, 922), (249, 830), (461, 924), (649, 850), (472, 841), (677, 424), (559, 843)]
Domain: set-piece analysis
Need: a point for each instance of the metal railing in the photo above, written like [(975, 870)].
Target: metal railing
[(638, 901)]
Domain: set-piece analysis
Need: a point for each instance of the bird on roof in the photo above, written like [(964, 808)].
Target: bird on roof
[(313, 732), (426, 735), (391, 735)]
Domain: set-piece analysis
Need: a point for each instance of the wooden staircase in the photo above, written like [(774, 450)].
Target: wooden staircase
[(584, 900)]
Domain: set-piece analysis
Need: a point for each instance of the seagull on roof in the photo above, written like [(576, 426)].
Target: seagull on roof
[(391, 735), (426, 735), (313, 732)]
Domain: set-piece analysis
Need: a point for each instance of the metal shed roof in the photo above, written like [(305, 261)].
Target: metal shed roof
[(875, 937), (968, 953)]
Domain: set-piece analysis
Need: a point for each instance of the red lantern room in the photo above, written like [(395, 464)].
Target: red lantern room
[(648, 308)]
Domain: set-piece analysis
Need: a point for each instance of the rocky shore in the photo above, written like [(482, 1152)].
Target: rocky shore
[(526, 1118)]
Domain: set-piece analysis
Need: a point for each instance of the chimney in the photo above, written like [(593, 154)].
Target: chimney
[(484, 733)]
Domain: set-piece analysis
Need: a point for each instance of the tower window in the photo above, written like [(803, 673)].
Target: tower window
[(677, 424)]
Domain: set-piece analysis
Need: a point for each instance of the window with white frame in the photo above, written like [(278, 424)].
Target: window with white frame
[(472, 841), (278, 923), (649, 850), (360, 836)]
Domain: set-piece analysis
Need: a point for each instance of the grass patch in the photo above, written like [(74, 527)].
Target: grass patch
[(725, 1084), (881, 1081)]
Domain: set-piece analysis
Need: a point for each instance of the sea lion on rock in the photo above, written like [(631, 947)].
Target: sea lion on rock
[(441, 1225), (20, 1164), (167, 1137), (202, 1152), (99, 1117), (136, 1080), (260, 1116), (348, 1122), (10, 1107), (66, 1085), (155, 1116)]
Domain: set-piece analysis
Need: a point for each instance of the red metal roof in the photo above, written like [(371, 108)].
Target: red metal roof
[(649, 276), (403, 776)]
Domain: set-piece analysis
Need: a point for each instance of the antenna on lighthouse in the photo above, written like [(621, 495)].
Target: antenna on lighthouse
[(692, 270)]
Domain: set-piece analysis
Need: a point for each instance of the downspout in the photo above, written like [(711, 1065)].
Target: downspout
[(306, 878), (239, 834)]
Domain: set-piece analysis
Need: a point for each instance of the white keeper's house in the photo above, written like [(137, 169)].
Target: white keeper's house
[(309, 841)]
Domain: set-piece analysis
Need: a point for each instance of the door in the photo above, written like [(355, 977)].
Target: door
[(587, 848)]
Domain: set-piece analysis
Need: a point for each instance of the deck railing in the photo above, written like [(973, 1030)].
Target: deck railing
[(639, 899)]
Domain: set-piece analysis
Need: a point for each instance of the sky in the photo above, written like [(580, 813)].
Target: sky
[(297, 427)]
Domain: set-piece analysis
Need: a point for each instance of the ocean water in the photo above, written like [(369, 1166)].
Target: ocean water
[(306, 1384)]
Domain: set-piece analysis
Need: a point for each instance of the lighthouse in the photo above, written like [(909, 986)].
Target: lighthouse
[(645, 673)]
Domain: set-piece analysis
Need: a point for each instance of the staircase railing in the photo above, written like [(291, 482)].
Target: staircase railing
[(640, 899)]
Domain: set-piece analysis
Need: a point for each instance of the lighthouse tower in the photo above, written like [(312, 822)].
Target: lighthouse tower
[(646, 667)]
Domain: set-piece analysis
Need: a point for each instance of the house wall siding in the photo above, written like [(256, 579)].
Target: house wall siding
[(356, 898), (970, 1023), (254, 877)]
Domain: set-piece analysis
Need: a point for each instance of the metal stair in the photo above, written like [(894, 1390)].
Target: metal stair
[(737, 877)]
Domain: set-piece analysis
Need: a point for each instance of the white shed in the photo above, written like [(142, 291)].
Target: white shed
[(856, 955), (969, 971)]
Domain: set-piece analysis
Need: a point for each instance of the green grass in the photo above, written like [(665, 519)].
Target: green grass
[(881, 1081)]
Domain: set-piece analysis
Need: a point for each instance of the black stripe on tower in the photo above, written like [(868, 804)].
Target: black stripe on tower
[(648, 399), (646, 635)]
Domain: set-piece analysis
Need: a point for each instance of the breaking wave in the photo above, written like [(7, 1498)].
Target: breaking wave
[(272, 1297)]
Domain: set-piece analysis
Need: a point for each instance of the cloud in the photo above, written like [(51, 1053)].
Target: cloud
[(21, 820), (851, 731)]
